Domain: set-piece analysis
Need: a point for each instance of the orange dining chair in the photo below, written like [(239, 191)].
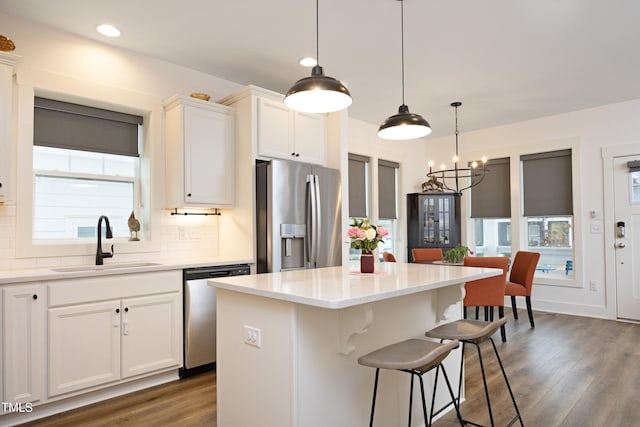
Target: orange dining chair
[(426, 254), (488, 292), (521, 280), (388, 257)]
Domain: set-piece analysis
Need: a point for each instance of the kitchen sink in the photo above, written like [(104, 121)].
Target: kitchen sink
[(104, 267)]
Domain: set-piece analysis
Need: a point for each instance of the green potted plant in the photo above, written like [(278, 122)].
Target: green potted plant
[(456, 254)]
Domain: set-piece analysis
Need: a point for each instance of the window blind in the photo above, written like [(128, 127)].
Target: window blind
[(358, 185), (387, 197), (77, 127), (492, 197), (547, 183)]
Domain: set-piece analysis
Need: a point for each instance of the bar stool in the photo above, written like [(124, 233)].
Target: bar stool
[(475, 332), (415, 357)]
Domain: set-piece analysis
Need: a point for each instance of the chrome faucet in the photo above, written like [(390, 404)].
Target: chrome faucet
[(99, 254)]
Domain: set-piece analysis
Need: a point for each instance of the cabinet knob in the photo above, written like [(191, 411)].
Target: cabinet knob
[(35, 296), (293, 154), (297, 154), (126, 309), (188, 194), (0, 185), (117, 310)]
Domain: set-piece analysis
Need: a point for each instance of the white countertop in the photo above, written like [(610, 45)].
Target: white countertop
[(341, 287), (16, 276)]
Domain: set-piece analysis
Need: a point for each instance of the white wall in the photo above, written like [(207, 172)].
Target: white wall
[(56, 56), (588, 131), (55, 62)]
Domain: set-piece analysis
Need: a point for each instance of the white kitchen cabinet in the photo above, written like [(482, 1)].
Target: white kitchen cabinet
[(84, 346), (287, 134), (199, 139), (105, 330), (7, 63), (24, 342), (99, 343), (151, 333)]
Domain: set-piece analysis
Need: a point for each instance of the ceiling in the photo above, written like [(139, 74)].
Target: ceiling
[(506, 60)]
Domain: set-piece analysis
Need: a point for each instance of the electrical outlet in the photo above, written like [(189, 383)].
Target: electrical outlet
[(252, 336), (182, 233), (194, 233), (593, 285)]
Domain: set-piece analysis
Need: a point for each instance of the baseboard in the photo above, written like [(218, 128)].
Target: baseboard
[(48, 409)]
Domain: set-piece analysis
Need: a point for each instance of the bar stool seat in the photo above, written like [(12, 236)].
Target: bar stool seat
[(476, 332), (416, 357)]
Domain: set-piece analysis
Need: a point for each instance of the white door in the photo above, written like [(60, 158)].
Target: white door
[(627, 237), (24, 312), (84, 346), (151, 333)]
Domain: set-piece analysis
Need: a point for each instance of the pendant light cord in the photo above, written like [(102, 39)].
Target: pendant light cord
[(402, 43), (317, 33)]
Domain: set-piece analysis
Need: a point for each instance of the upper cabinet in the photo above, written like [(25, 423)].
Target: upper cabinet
[(7, 63), (287, 134), (199, 138)]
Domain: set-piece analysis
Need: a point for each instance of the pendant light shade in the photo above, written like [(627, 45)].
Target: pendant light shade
[(318, 93), (404, 125)]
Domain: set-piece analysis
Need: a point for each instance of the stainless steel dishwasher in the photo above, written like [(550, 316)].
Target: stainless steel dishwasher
[(200, 315)]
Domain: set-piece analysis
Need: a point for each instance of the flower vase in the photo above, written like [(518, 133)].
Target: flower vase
[(366, 262)]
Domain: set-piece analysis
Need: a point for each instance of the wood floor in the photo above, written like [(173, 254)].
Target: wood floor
[(567, 371)]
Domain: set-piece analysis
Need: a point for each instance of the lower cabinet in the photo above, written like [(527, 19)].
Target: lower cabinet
[(97, 343), (24, 310)]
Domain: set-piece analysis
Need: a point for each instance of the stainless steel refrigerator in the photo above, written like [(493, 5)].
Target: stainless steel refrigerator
[(298, 217)]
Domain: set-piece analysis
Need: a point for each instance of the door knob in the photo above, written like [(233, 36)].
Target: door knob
[(621, 245)]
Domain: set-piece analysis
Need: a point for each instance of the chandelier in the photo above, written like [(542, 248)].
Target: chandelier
[(457, 179)]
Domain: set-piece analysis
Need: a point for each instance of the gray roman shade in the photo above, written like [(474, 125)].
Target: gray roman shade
[(358, 186), (547, 184), (387, 201), (492, 197), (634, 165), (77, 127)]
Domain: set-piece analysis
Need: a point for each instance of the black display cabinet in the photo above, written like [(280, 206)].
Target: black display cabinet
[(433, 221)]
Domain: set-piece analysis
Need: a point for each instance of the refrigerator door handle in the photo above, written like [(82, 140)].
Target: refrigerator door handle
[(318, 221), (310, 219)]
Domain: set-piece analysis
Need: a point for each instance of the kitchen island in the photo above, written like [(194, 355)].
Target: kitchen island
[(288, 342)]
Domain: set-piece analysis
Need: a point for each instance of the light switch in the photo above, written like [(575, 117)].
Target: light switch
[(595, 228)]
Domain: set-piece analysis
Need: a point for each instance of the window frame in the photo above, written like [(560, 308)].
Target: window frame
[(150, 164), (518, 221)]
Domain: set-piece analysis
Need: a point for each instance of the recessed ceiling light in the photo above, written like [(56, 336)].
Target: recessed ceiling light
[(308, 62), (108, 30)]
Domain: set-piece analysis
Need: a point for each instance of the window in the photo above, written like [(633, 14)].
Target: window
[(634, 177), (387, 202), (358, 188), (85, 164), (358, 191), (491, 210), (547, 198)]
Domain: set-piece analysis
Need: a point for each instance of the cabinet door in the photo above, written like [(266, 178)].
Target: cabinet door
[(7, 62), (309, 137), (84, 346), (151, 333), (208, 156), (275, 137), (24, 322)]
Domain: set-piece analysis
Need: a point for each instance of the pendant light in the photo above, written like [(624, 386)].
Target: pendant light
[(404, 125), (318, 93)]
